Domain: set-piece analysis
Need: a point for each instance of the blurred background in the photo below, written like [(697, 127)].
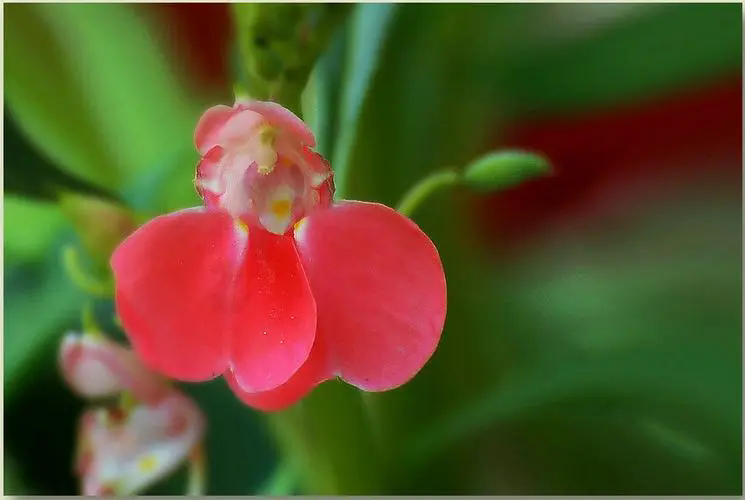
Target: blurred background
[(593, 340)]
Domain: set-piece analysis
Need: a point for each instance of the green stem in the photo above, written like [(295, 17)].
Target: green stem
[(88, 320), (327, 438), (425, 188), (281, 483), (88, 283), (197, 481)]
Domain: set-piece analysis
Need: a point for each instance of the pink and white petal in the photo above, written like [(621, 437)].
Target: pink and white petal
[(238, 129), (379, 288), (174, 279), (123, 453), (314, 371), (317, 164), (282, 118), (94, 367), (314, 166), (273, 313), (209, 178), (209, 124)]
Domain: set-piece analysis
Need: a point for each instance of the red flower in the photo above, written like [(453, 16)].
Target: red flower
[(271, 284)]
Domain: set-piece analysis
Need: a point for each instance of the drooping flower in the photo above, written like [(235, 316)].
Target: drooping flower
[(122, 452), (129, 444), (271, 284)]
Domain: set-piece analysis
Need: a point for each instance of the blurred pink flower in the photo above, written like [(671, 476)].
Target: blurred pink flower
[(95, 367), (125, 447), (271, 283)]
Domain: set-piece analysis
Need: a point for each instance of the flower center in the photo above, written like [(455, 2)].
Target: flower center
[(276, 212), (266, 177)]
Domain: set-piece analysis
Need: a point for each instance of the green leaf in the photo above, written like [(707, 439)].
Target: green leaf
[(367, 27), (41, 302), (90, 86), (281, 482), (320, 97), (504, 169), (662, 374), (32, 175), (648, 51), (13, 481), (31, 228)]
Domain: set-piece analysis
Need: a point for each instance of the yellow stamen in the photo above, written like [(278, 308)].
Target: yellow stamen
[(148, 463), (281, 208), (241, 226), (299, 224), (267, 136)]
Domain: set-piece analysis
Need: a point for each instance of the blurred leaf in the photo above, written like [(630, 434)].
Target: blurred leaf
[(168, 185), (29, 174), (504, 169), (281, 482), (39, 303), (696, 380), (320, 97), (636, 309), (30, 228), (367, 34), (13, 481), (90, 86), (660, 47)]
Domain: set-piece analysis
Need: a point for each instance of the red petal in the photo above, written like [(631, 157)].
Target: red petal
[(274, 313), (281, 118), (314, 371), (210, 122), (379, 288), (173, 279)]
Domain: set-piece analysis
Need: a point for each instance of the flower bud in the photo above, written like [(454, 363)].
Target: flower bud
[(101, 224), (504, 169), (95, 367)]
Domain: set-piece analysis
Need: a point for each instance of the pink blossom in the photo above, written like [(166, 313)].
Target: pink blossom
[(124, 452), (128, 445), (95, 367), (272, 284)]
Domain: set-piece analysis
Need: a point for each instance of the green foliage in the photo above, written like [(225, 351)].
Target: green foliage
[(367, 31), (647, 51), (33, 175), (35, 317), (30, 229), (91, 89)]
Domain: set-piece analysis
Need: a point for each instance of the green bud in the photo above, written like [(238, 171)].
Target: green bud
[(504, 169), (101, 224), (279, 45)]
